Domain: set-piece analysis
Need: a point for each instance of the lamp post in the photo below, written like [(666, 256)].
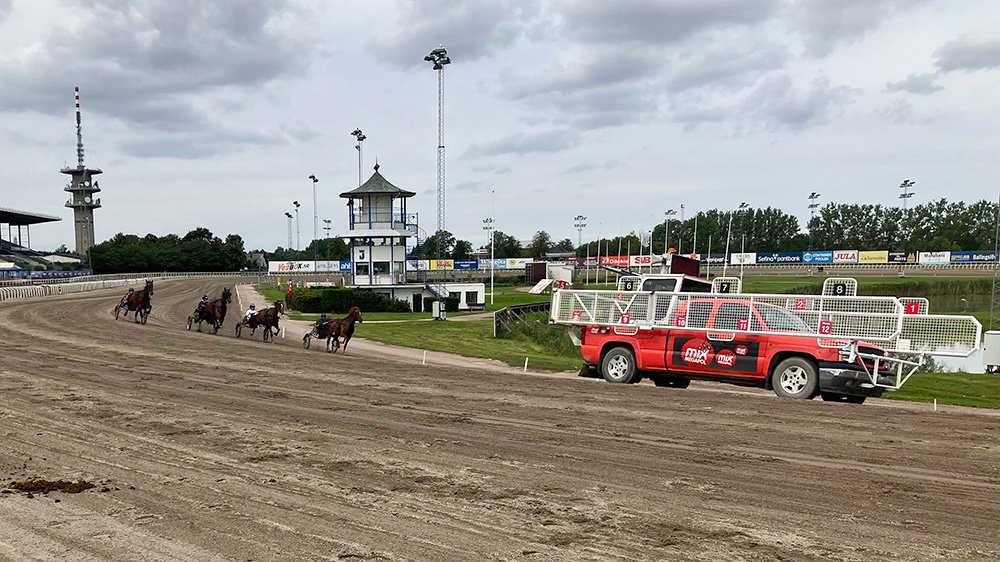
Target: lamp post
[(326, 227), (813, 205), (360, 148), (298, 233), (315, 180), (666, 230), (579, 225), (289, 216), (438, 58), (905, 196), (729, 234), (488, 226), (680, 237)]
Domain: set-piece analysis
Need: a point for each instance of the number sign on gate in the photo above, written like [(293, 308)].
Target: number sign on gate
[(629, 285), (800, 304), (576, 316), (839, 289), (913, 308), (682, 321), (725, 287), (742, 324), (626, 318), (825, 327)]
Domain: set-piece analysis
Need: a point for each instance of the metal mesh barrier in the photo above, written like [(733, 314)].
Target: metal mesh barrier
[(915, 305), (938, 334), (629, 283), (606, 308), (840, 287), (727, 285)]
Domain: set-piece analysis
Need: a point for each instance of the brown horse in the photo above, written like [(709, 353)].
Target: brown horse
[(139, 302), (343, 328), (214, 312), (268, 318)]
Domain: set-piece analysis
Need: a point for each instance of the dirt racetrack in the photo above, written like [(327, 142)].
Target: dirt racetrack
[(206, 447)]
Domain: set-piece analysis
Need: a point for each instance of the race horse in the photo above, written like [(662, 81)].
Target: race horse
[(268, 319), (214, 312), (139, 303), (343, 328)]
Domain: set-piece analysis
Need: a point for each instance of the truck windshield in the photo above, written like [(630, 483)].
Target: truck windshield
[(779, 319), (659, 284)]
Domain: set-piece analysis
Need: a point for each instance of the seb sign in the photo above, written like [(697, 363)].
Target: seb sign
[(845, 256)]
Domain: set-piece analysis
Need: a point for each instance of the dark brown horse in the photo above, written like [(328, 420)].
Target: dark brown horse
[(343, 328), (268, 319), (215, 311), (139, 302)]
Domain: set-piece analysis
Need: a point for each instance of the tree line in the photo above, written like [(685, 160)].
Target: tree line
[(936, 225), (198, 250)]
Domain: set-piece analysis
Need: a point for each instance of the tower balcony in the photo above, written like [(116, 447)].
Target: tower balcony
[(85, 204)]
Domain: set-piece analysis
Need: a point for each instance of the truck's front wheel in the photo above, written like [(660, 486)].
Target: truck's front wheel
[(618, 366), (795, 377)]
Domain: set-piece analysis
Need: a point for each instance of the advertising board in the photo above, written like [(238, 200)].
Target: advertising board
[(845, 256), (779, 257), (744, 258), (933, 258), (615, 261), (640, 261), (442, 265), (817, 256), (290, 267), (873, 256), (466, 264)]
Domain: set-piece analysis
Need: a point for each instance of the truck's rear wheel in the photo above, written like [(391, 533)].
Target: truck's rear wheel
[(795, 377), (618, 366), (675, 382)]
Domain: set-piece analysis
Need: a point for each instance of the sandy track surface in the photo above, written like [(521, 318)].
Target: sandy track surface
[(205, 447)]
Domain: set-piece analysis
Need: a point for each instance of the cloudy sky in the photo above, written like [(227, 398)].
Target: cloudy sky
[(215, 113)]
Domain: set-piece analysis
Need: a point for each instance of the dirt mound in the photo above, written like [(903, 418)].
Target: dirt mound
[(46, 486)]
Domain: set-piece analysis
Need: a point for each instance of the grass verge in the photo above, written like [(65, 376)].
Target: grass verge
[(960, 389), (473, 338)]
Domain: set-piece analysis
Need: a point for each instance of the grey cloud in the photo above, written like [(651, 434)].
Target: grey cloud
[(195, 145), (4, 9), (145, 62), (900, 111), (777, 103), (520, 143), (916, 84), (736, 64), (498, 170), (469, 30), (467, 186), (598, 67), (825, 25), (968, 55), (594, 166), (657, 21)]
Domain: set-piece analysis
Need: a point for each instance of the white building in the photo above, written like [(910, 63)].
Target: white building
[(379, 228)]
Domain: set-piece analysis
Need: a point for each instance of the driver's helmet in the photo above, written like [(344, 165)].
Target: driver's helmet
[(322, 316), (131, 289), (204, 297), (253, 306)]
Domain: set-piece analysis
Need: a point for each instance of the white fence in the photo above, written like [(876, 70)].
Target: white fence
[(95, 282)]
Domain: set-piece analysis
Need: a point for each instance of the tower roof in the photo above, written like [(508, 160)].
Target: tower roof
[(377, 184)]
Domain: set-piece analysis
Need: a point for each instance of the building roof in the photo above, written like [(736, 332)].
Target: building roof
[(377, 184), (22, 218)]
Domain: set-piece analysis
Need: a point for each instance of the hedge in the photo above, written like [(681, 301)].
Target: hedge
[(450, 304), (339, 301)]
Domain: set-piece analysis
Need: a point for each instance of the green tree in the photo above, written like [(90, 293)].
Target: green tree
[(506, 245), (541, 243), (462, 250), (439, 245)]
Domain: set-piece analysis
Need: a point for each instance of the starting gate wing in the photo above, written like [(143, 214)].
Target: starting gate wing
[(727, 285)]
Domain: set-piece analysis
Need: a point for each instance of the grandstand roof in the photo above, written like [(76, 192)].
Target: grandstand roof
[(22, 218)]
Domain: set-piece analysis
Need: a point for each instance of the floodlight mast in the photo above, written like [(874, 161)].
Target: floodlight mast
[(438, 58), (813, 205), (729, 232), (905, 196), (360, 148), (666, 230)]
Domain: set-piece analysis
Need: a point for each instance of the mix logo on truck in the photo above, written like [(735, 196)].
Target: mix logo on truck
[(725, 358), (698, 352)]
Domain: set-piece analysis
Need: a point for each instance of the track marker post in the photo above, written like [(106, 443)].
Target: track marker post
[(282, 332), (525, 364), (424, 362), (935, 404)]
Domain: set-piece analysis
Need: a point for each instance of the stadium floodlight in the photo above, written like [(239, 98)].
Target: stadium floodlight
[(360, 148), (666, 230), (438, 58)]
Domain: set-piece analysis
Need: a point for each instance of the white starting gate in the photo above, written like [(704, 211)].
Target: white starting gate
[(903, 328)]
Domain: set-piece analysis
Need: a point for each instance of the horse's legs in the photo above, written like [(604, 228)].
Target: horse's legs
[(346, 340)]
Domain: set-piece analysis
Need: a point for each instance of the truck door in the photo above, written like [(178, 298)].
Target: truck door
[(739, 356)]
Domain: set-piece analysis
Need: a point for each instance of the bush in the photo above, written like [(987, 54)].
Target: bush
[(339, 301)]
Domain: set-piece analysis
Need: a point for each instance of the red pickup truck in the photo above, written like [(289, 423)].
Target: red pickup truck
[(712, 349)]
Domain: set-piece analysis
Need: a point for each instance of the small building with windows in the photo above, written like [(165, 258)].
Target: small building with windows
[(378, 229)]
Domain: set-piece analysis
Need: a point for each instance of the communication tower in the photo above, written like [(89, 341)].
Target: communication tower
[(82, 186)]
